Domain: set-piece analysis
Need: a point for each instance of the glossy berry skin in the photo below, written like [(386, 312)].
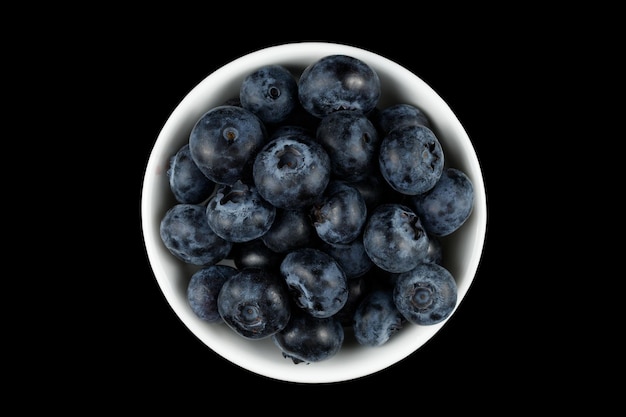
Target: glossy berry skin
[(447, 206), (316, 282), (203, 289), (376, 318), (340, 214), (351, 257), (425, 295), (292, 229), (351, 141), (237, 213), (398, 115), (338, 82), (254, 254), (270, 92), (224, 141), (411, 159), (186, 233), (308, 339), (395, 239), (435, 250), (291, 171), (254, 303), (187, 182)]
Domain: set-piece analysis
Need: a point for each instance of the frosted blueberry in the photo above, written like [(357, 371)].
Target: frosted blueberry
[(395, 239), (237, 213), (291, 171), (186, 233), (338, 82), (203, 289), (411, 159), (425, 295), (270, 92), (447, 206)]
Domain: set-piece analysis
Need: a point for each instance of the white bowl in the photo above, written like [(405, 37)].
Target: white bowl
[(462, 250)]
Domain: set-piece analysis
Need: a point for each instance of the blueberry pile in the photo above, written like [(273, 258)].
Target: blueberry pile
[(331, 209)]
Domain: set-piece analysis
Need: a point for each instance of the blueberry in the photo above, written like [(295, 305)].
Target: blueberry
[(340, 213), (445, 207), (291, 229), (254, 254), (316, 282), (187, 182), (351, 257), (237, 213), (376, 191), (291, 171), (425, 295), (331, 207), (203, 289), (308, 339), (270, 92), (435, 249), (397, 115), (186, 233), (358, 288), (377, 318), (351, 141), (224, 141), (411, 159), (338, 82), (394, 238), (254, 303), (298, 130)]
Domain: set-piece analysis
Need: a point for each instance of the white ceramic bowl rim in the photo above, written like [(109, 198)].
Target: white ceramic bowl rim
[(262, 357)]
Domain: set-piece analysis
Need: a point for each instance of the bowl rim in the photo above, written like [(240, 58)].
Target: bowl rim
[(186, 112)]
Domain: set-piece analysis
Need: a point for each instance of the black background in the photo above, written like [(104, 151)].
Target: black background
[(87, 92)]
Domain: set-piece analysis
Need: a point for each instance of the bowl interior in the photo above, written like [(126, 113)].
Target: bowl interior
[(462, 249)]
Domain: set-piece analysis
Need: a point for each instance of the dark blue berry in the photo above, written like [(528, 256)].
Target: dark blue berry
[(292, 229), (377, 318), (270, 92), (411, 159), (308, 339), (394, 238), (203, 289), (291, 171), (285, 130), (186, 233), (316, 282), (398, 115), (358, 288), (254, 254), (224, 142), (351, 257), (187, 182), (445, 207), (340, 213), (338, 82), (351, 141), (376, 191), (426, 294), (435, 250), (254, 303), (237, 213)]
